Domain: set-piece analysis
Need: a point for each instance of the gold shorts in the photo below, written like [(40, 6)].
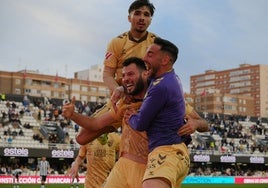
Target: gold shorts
[(125, 173), (171, 162)]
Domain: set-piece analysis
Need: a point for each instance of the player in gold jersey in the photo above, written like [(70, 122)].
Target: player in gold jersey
[(132, 43), (101, 155), (129, 169)]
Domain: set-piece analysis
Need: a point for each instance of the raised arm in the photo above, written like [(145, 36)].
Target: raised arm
[(88, 123)]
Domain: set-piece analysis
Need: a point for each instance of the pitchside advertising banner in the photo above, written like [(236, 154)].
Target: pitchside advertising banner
[(36, 179), (229, 159), (27, 152), (61, 153), (188, 180)]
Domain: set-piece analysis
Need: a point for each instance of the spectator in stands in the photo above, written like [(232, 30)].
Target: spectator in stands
[(39, 114), (3, 169), (14, 133), (3, 96), (13, 104), (72, 143), (4, 115), (25, 101), (9, 140), (76, 127), (21, 132), (27, 125)]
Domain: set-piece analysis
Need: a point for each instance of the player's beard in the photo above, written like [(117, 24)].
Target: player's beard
[(138, 87)]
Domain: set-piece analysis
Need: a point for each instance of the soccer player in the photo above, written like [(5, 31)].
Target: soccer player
[(132, 43), (43, 166), (130, 167), (161, 115), (100, 155), (16, 174)]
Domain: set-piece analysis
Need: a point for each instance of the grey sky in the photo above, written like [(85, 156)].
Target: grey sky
[(65, 36)]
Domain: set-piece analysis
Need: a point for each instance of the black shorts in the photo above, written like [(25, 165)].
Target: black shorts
[(43, 178), (16, 176)]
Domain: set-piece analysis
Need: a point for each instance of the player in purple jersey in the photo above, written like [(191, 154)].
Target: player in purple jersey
[(160, 115)]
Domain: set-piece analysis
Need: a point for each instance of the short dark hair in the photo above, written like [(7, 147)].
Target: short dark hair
[(140, 3), (167, 46), (137, 61)]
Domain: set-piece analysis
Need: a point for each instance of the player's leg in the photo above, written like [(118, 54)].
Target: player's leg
[(156, 182), (167, 166), (72, 181), (77, 181), (43, 180)]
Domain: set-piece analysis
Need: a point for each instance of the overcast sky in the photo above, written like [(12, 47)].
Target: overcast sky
[(65, 36)]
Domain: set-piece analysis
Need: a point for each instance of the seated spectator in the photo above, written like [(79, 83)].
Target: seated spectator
[(14, 133), (27, 125), (40, 139), (9, 140), (21, 132), (76, 128)]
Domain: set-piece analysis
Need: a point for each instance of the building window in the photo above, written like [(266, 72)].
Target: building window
[(17, 91), (75, 87), (93, 99), (93, 89), (17, 81), (84, 89), (56, 94), (83, 98), (28, 81), (27, 91)]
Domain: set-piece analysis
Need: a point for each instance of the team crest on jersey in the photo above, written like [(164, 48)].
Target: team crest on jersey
[(108, 55)]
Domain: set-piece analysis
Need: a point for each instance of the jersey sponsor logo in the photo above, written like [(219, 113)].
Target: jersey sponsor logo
[(108, 55)]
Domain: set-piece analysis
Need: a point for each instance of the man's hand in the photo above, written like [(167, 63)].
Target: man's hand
[(73, 172), (116, 95), (190, 126), (128, 113), (68, 109)]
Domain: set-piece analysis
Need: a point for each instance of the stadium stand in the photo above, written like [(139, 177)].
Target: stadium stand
[(234, 146)]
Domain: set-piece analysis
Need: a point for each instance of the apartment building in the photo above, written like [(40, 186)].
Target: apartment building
[(34, 84), (239, 91), (94, 73)]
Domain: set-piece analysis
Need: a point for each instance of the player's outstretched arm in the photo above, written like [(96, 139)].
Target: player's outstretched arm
[(88, 123), (86, 136)]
